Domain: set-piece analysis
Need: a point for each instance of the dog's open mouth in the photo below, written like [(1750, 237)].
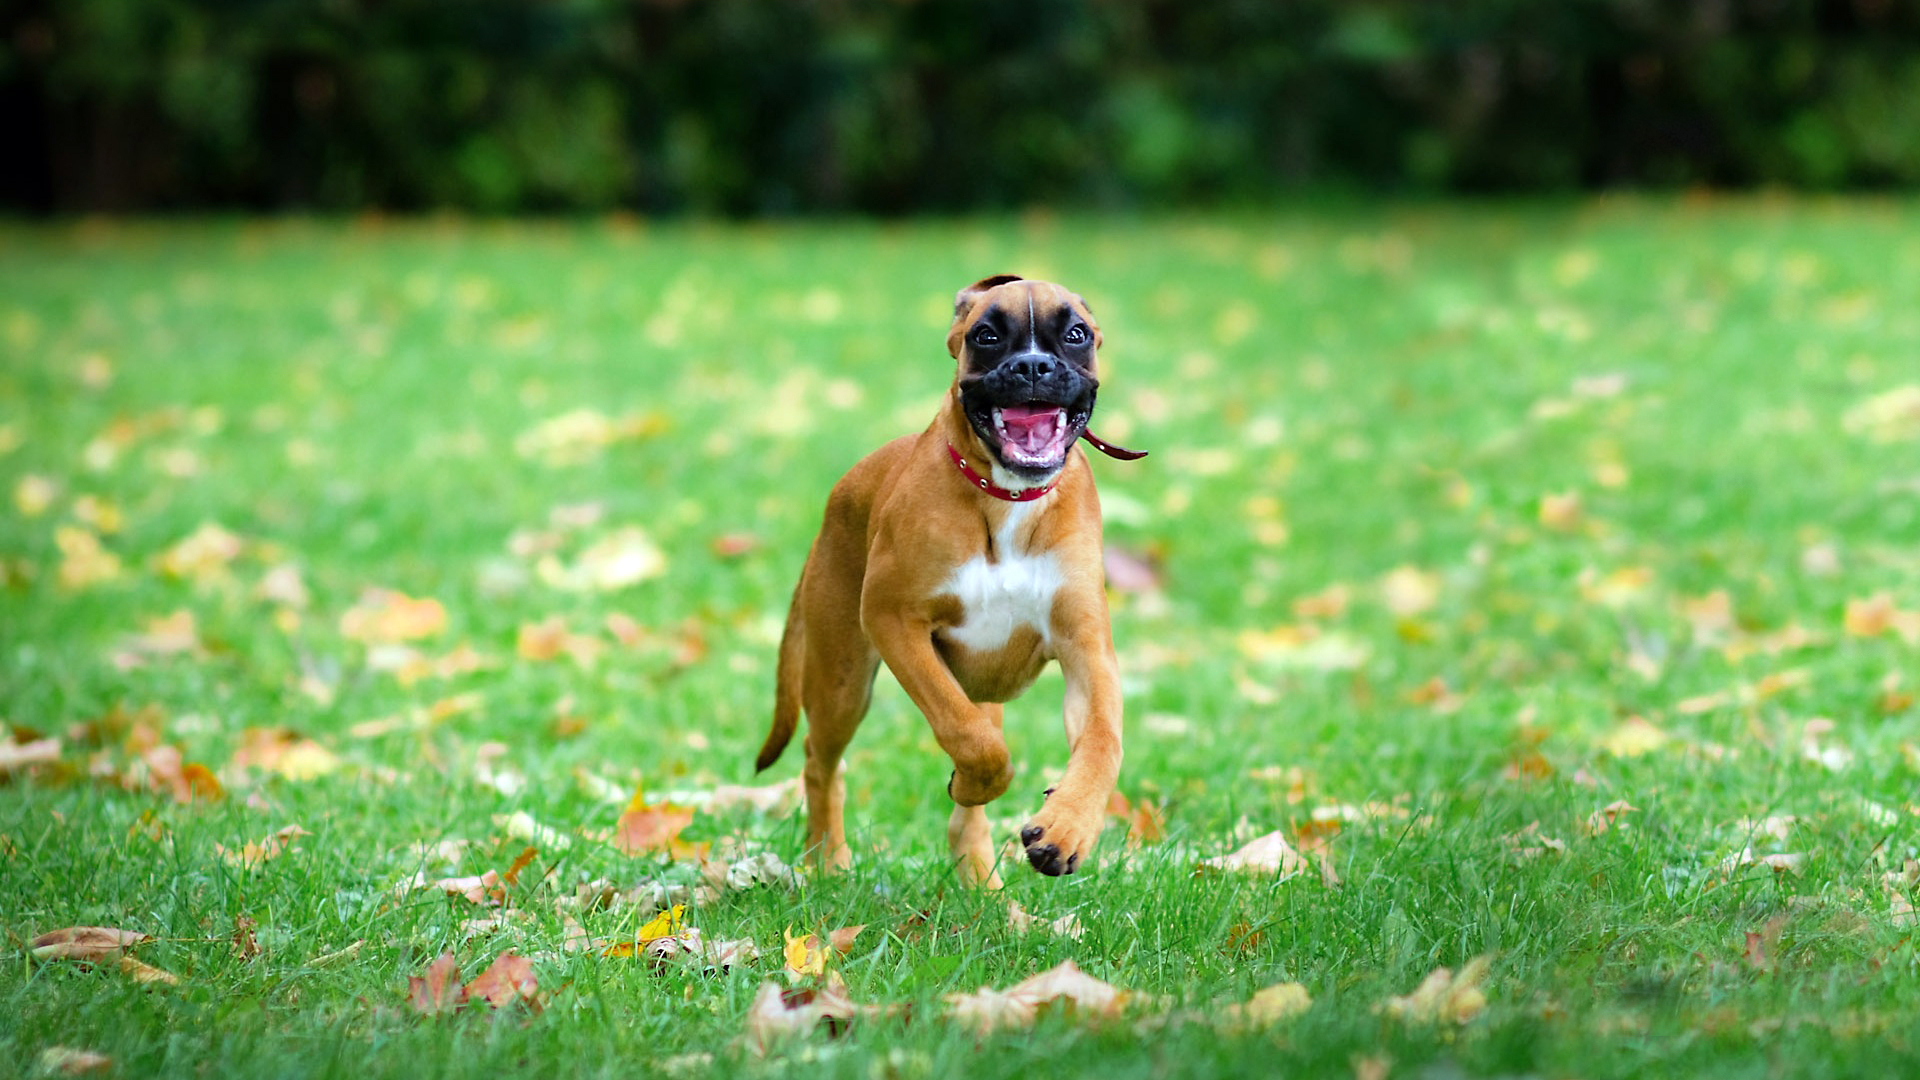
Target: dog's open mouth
[(1034, 435)]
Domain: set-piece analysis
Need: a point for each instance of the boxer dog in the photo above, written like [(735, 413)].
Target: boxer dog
[(965, 558)]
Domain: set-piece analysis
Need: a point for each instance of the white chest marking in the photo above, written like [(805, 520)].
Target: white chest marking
[(1014, 590)]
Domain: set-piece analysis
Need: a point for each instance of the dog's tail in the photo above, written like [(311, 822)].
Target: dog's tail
[(786, 690)]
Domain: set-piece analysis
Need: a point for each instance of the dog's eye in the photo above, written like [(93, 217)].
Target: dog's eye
[(984, 335), (1075, 335)]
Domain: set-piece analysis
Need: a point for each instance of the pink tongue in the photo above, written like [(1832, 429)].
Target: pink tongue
[(1032, 427)]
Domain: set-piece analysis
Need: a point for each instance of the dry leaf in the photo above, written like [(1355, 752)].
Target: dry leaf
[(549, 639), (642, 829), (1879, 614), (83, 561), (255, 852), (1067, 926), (68, 1061), (805, 955), (624, 557), (1890, 416), (439, 990), (842, 939), (1064, 986), (286, 752), (1606, 817), (202, 555), (483, 889), (1444, 997), (1562, 511), (146, 973), (777, 1014), (1634, 737), (15, 756), (1329, 603), (1269, 1006), (508, 979), (1146, 820), (84, 943), (384, 617), (1269, 854), (1408, 591), (245, 945)]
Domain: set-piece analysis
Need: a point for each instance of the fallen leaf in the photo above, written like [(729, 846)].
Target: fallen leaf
[(1408, 591), (1445, 997), (1879, 614), (1329, 603), (805, 955), (255, 852), (627, 556), (575, 437), (68, 1061), (643, 828), (508, 979), (34, 495), (1634, 737), (84, 562), (549, 639), (777, 1015), (185, 781), (520, 861), (1530, 843), (84, 943), (1562, 511), (483, 889), (1066, 926), (1146, 820), (521, 825), (1890, 416), (202, 555), (1064, 987), (146, 973), (574, 937), (246, 946), (439, 991), (1131, 571), (1780, 863), (1269, 854), (842, 939), (15, 756), (1607, 816), (1269, 1006), (384, 616), (286, 752)]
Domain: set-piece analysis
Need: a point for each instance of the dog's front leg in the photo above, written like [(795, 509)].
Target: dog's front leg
[(1062, 834), (968, 732)]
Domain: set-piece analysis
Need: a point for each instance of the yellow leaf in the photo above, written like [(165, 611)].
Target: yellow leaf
[(83, 561), (1561, 511), (669, 923), (384, 616), (1445, 997), (805, 955), (34, 494), (146, 973), (1633, 738), (201, 555), (1269, 1006)]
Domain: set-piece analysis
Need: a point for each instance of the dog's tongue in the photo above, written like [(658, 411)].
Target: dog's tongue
[(1033, 428)]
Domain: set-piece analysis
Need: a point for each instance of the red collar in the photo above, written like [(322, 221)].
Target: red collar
[(989, 487), (1030, 494)]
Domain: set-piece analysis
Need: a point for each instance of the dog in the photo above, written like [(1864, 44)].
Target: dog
[(965, 558)]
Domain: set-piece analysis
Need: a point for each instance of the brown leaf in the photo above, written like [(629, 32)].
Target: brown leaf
[(84, 943), (483, 889), (842, 939), (255, 852), (1066, 926), (1146, 820), (1605, 818), (384, 616), (245, 945), (520, 861), (734, 544), (644, 828), (1269, 854), (439, 990), (550, 639), (284, 751), (1064, 986), (168, 774), (508, 979)]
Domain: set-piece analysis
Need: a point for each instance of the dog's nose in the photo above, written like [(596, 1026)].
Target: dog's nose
[(1034, 366)]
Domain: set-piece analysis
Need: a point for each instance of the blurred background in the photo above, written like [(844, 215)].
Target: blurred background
[(776, 107)]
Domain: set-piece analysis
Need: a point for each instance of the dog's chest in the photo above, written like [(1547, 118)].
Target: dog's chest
[(1002, 594)]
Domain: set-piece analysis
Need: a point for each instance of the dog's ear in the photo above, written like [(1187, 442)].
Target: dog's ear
[(963, 302)]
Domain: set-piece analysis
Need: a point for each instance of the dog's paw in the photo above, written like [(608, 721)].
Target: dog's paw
[(1057, 841)]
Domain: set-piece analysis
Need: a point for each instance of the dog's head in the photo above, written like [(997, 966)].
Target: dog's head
[(1027, 373)]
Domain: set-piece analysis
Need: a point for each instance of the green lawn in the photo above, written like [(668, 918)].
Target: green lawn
[(1597, 503)]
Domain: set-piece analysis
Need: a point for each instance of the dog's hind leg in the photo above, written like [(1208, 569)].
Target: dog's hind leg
[(837, 687), (970, 838)]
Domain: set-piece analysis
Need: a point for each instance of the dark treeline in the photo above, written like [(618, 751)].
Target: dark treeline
[(780, 106)]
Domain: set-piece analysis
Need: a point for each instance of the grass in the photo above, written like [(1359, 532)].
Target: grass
[(1330, 396)]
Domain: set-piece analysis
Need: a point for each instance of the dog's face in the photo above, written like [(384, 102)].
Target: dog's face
[(1027, 375)]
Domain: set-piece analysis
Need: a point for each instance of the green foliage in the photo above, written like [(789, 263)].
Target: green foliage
[(740, 106)]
